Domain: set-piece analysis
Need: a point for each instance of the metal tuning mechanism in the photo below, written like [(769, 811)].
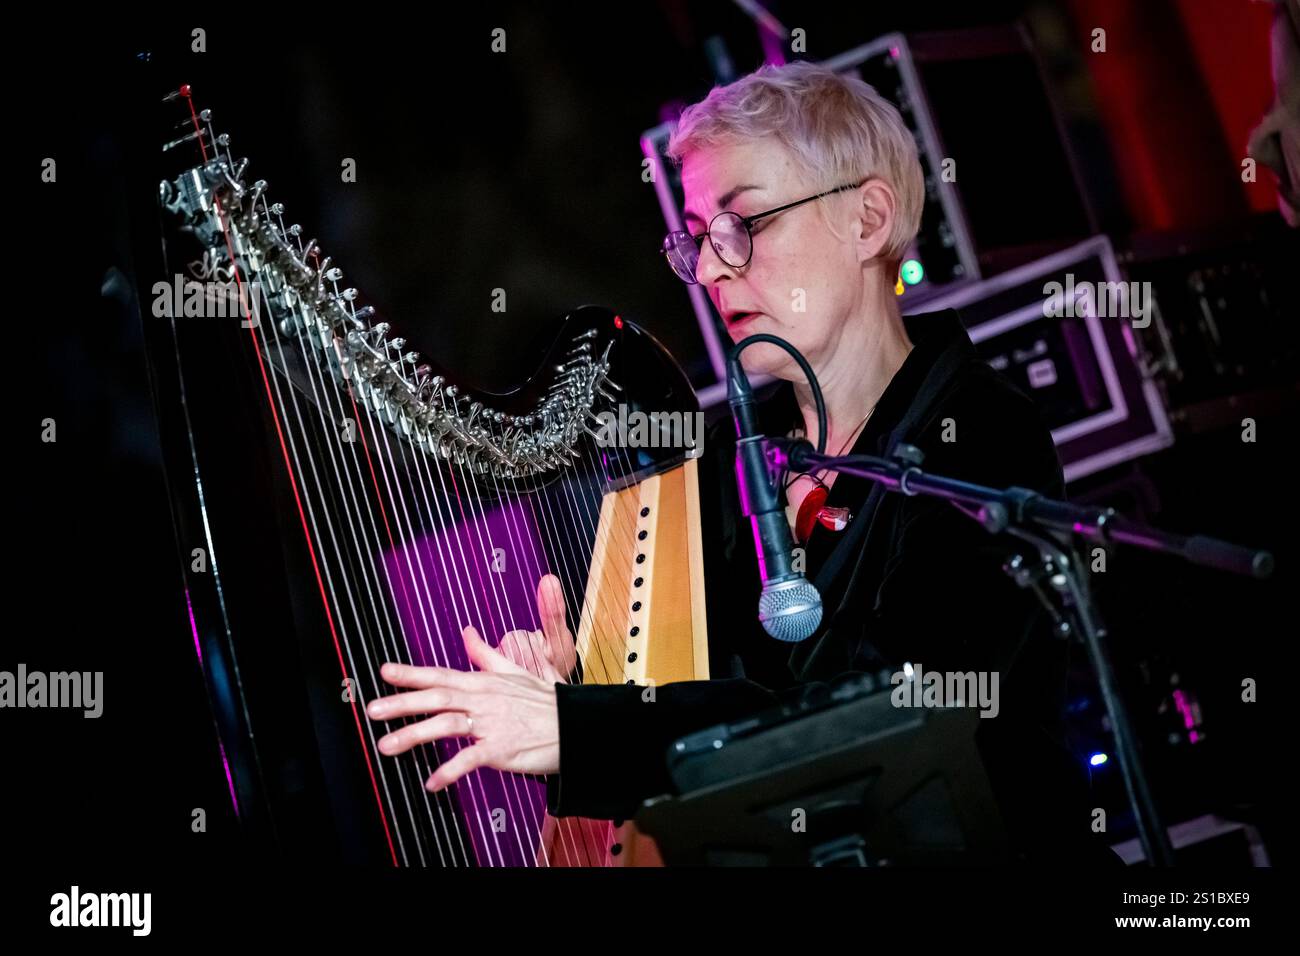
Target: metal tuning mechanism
[(302, 288)]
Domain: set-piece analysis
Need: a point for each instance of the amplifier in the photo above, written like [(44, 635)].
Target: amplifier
[(1063, 329)]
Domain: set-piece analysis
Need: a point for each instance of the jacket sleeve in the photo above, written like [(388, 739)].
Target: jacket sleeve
[(614, 739)]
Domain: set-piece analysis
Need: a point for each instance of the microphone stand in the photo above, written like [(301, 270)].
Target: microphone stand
[(1056, 575)]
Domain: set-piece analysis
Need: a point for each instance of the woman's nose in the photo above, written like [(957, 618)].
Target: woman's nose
[(710, 266)]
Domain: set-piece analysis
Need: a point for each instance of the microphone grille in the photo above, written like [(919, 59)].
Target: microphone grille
[(790, 611)]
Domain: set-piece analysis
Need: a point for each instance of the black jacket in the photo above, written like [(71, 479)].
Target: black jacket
[(910, 579)]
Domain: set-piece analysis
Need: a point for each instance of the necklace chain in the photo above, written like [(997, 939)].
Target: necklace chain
[(816, 477)]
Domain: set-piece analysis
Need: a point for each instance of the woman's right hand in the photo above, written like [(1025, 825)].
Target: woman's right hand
[(549, 653)]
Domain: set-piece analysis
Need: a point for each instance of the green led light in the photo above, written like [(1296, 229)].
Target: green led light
[(912, 271)]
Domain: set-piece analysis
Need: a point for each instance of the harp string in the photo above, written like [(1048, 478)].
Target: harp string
[(194, 119), (472, 787), (527, 574), (307, 518), (607, 618), (332, 413), (330, 435), (412, 549), (275, 403), (561, 545), (303, 506), (517, 800), (367, 651), (564, 547), (344, 487)]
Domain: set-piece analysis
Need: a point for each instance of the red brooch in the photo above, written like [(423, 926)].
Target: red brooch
[(813, 509)]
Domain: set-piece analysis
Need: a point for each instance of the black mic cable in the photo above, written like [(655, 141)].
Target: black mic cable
[(789, 608)]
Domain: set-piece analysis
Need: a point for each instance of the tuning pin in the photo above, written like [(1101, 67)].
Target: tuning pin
[(259, 187), (295, 230), (333, 275), (238, 172), (363, 313), (396, 344), (411, 357), (380, 330), (277, 209), (223, 140), (349, 295)]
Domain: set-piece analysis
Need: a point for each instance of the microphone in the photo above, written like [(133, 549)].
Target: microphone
[(789, 607)]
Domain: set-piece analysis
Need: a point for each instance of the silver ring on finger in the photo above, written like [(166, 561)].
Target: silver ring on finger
[(469, 729)]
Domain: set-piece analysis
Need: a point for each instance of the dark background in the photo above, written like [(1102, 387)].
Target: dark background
[(476, 172)]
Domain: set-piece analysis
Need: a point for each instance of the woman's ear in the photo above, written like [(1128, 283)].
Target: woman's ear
[(874, 218)]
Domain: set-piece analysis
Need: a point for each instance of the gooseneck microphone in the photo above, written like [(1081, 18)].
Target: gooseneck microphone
[(789, 608)]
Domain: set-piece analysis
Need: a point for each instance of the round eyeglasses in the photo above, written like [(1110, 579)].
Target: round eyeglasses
[(730, 234)]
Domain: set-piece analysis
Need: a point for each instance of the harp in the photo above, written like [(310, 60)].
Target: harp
[(339, 501)]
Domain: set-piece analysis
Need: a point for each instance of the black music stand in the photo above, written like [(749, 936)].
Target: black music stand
[(911, 791)]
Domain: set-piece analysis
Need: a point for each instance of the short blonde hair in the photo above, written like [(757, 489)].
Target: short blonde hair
[(837, 127)]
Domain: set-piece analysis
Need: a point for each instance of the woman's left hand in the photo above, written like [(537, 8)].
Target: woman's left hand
[(509, 714)]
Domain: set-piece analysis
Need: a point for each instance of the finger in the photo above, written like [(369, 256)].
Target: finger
[(550, 608), (519, 646), (418, 702), (435, 728), (407, 675), (539, 648), (484, 656), (470, 758)]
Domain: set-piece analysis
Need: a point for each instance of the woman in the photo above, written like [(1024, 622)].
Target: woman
[(803, 190)]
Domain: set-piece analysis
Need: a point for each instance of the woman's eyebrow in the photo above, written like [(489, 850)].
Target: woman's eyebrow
[(725, 199)]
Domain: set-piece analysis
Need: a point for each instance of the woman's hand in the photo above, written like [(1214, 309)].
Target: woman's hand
[(508, 712), (549, 653)]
